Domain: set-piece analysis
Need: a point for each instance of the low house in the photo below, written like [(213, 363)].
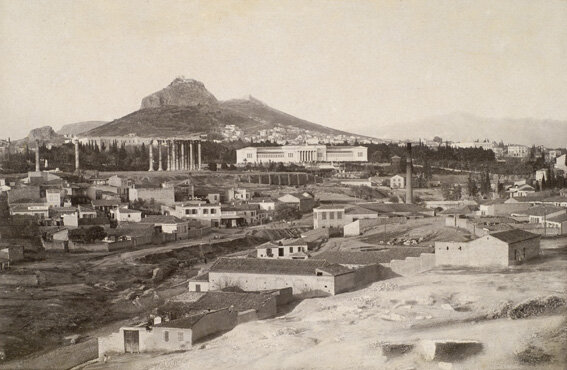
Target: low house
[(10, 255), (499, 207), (263, 304), (199, 283), (397, 182), (538, 214), (174, 335), (54, 197), (519, 191), (302, 201), (504, 248), (557, 222), (359, 213), (213, 198), (239, 215), (106, 205), (236, 194), (265, 203), (290, 249), (360, 226), (39, 209), (206, 214), (126, 215), (328, 216), (86, 212), (168, 225), (303, 276)]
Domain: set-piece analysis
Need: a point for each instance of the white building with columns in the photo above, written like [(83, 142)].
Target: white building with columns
[(302, 154)]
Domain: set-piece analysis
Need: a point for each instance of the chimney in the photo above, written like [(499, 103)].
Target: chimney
[(77, 155), (409, 186), (37, 156)]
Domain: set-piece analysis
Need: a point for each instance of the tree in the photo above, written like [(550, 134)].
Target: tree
[(95, 233), (438, 139), (283, 212), (394, 199), (213, 166)]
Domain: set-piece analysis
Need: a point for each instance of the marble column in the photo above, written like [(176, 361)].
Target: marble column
[(151, 148), (160, 168)]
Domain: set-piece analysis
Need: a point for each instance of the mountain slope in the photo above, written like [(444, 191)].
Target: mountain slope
[(186, 107), (79, 127), (467, 127)]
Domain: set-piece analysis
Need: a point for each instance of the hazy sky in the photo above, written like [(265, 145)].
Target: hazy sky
[(352, 65)]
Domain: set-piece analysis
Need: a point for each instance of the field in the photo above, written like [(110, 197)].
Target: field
[(348, 331)]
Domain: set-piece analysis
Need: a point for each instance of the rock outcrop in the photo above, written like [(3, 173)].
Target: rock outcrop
[(182, 92)]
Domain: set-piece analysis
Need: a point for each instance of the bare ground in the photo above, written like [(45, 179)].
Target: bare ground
[(346, 331)]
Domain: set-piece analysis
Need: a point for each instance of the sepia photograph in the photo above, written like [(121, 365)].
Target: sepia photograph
[(283, 184)]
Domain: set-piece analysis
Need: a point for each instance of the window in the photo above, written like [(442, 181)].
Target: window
[(213, 211), (331, 215), (290, 155), (193, 211), (291, 250), (360, 154), (339, 215), (249, 155), (324, 215), (205, 211), (280, 252), (166, 336), (319, 273), (180, 336)]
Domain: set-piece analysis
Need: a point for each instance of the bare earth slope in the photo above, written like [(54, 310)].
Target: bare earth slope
[(346, 331)]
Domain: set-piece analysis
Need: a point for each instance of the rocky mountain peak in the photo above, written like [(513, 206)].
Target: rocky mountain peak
[(181, 92)]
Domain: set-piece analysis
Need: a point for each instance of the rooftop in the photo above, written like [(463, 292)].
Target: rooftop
[(359, 211), (268, 266), (514, 236), (560, 218), (162, 219), (371, 257), (543, 210)]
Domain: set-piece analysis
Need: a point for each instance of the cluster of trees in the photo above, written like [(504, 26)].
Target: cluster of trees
[(87, 235), (284, 212), (451, 192), (551, 182), (480, 186)]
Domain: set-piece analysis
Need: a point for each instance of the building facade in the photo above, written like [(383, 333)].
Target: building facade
[(302, 154)]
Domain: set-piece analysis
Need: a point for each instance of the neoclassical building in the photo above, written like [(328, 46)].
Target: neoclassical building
[(302, 154)]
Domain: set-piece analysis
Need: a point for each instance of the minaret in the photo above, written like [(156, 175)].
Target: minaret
[(409, 187)]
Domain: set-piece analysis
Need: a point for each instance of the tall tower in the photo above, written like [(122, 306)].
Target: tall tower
[(409, 185)]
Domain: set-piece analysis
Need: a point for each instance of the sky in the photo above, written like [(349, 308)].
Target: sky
[(351, 65)]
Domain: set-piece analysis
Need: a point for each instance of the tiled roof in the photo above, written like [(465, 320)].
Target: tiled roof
[(202, 277), (268, 266), (162, 219), (329, 206), (127, 210), (267, 245), (514, 236), (542, 210), (335, 269), (293, 242), (371, 257), (185, 322), (359, 211), (560, 218), (106, 202)]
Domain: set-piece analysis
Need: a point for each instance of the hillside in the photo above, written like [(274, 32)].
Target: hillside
[(467, 127), (79, 127), (186, 106)]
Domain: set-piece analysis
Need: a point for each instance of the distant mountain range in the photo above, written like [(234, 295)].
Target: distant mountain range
[(79, 127), (468, 127), (186, 106)]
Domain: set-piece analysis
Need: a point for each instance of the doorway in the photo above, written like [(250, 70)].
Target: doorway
[(131, 341)]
